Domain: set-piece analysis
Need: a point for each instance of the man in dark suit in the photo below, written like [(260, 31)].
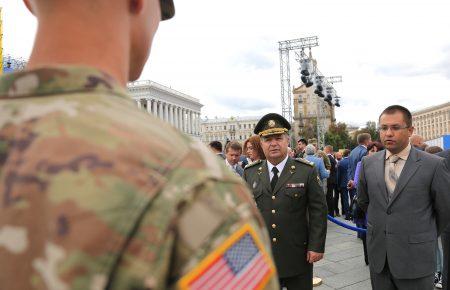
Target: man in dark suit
[(216, 147), (287, 191), (405, 193), (445, 237), (342, 181), (355, 156), (331, 180)]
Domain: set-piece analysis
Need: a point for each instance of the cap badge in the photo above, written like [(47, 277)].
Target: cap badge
[(271, 123)]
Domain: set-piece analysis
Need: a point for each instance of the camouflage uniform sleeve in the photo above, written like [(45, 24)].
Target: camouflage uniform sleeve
[(209, 223), (199, 210)]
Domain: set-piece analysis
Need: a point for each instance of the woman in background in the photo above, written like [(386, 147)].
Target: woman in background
[(359, 217), (253, 150)]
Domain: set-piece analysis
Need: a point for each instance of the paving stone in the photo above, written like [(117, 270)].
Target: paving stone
[(347, 278), (364, 285)]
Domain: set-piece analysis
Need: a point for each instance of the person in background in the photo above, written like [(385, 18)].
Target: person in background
[(342, 181), (355, 156), (216, 147), (418, 142), (359, 217), (338, 156), (433, 149), (300, 150), (291, 152), (445, 236), (439, 258), (233, 152), (310, 152), (331, 180), (253, 149)]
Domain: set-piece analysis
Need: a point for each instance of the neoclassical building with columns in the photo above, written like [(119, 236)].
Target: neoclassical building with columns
[(180, 110)]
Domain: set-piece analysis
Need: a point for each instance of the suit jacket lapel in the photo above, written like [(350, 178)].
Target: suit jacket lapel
[(284, 176), (411, 166), (264, 177), (379, 171)]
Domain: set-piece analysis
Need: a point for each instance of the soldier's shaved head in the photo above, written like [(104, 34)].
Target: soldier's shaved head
[(114, 36)]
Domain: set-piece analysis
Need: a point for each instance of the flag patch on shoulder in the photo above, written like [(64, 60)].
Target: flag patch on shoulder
[(239, 263)]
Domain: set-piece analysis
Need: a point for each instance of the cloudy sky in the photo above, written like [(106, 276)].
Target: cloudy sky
[(225, 53)]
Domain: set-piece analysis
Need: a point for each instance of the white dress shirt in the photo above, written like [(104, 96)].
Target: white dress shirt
[(280, 167)]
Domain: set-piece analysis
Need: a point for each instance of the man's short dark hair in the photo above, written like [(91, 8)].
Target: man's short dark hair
[(363, 137), (235, 145), (303, 140), (407, 117), (346, 153), (216, 145)]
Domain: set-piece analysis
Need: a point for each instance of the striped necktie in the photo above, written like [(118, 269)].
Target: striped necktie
[(392, 176)]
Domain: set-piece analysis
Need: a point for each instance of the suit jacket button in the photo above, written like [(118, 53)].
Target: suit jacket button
[(389, 211), (273, 196)]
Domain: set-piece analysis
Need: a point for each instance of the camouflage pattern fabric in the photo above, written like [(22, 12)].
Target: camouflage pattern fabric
[(325, 159), (92, 195)]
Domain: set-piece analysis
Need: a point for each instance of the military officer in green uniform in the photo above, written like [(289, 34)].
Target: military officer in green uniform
[(291, 200)]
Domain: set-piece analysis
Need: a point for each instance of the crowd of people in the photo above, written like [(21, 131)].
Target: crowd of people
[(93, 196), (339, 174)]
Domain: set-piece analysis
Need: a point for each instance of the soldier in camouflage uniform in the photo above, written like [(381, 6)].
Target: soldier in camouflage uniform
[(92, 197)]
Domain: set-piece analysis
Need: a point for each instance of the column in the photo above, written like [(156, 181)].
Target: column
[(138, 101), (184, 121), (160, 110), (155, 108), (149, 106), (166, 112), (180, 119), (189, 122), (172, 115), (192, 123), (199, 124), (176, 118)]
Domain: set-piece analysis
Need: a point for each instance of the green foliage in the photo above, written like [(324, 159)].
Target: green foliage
[(370, 128), (337, 136)]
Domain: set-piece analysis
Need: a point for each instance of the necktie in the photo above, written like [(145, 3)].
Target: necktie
[(274, 180), (392, 176)]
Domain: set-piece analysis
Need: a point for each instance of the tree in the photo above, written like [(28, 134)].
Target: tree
[(371, 129), (337, 136)]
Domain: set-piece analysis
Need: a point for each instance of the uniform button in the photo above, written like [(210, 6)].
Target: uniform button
[(274, 226), (389, 211), (273, 211), (296, 195), (274, 240), (273, 196)]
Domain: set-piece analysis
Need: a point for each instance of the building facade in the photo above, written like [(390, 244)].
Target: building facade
[(180, 110), (432, 122), (310, 113), (224, 129)]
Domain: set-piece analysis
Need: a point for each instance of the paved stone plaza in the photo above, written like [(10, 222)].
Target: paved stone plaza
[(343, 266)]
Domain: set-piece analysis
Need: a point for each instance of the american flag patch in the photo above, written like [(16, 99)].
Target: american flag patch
[(239, 263)]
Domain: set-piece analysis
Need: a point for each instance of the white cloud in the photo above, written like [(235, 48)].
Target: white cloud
[(226, 52)]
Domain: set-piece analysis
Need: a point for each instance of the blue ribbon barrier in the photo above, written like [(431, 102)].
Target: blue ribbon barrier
[(344, 225)]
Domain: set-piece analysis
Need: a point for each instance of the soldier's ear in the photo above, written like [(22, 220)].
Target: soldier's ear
[(29, 6)]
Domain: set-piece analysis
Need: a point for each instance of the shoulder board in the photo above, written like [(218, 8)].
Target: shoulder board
[(253, 164), (304, 161)]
